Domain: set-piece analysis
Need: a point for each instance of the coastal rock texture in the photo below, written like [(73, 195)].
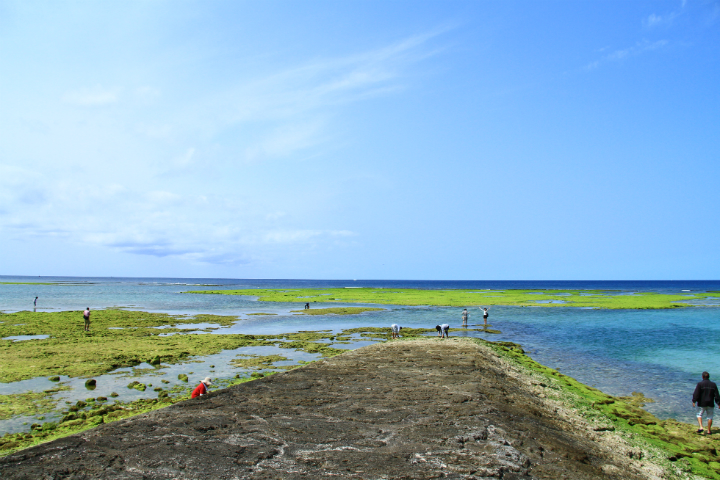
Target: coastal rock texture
[(426, 408)]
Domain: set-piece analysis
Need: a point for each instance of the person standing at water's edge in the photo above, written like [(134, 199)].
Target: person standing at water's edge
[(395, 329), (86, 317), (201, 389), (485, 315), (464, 317), (706, 395), (35, 302)]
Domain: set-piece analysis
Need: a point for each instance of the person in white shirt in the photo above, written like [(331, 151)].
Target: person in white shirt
[(395, 329), (443, 330)]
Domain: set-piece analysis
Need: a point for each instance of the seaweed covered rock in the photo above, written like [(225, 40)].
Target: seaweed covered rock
[(137, 385)]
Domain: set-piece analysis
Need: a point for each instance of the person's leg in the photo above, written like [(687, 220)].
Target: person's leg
[(709, 411), (701, 410)]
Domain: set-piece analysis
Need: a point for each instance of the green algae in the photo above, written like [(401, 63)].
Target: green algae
[(257, 361), (465, 298), (261, 313), (685, 449), (336, 311), (29, 403), (137, 386), (84, 415), (73, 352)]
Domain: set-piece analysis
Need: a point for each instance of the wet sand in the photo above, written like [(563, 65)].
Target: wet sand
[(425, 408)]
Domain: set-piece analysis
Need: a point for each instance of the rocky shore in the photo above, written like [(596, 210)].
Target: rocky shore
[(424, 408)]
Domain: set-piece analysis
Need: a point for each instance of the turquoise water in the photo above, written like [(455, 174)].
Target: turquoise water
[(660, 353)]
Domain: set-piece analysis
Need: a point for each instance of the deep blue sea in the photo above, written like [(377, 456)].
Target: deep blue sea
[(660, 353)]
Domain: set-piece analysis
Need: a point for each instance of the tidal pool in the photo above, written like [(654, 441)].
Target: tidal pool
[(20, 338)]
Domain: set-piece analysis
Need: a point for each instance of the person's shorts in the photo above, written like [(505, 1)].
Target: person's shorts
[(87, 319), (708, 411)]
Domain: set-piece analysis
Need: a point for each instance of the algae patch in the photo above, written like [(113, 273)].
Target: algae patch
[(459, 298), (257, 361), (336, 311), (29, 403), (688, 451)]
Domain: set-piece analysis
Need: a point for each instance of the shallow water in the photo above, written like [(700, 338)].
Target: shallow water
[(660, 353), (21, 338)]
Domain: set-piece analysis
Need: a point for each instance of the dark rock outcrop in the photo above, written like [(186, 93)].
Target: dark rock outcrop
[(409, 409)]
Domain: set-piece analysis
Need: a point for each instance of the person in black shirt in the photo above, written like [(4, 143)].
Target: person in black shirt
[(706, 395)]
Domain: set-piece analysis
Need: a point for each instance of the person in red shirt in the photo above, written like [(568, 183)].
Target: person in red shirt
[(202, 388)]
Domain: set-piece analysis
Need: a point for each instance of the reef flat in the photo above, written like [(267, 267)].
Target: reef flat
[(336, 311), (669, 445), (120, 338), (420, 408), (460, 298)]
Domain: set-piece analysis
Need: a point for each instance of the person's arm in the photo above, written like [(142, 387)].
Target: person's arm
[(696, 394)]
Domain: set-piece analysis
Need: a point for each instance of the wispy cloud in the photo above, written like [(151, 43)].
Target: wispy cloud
[(158, 223), (166, 178), (92, 97), (653, 20), (624, 53), (296, 102)]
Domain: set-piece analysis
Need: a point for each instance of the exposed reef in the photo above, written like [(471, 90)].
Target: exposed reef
[(460, 298)]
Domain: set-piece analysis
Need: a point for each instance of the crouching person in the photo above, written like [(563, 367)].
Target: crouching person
[(202, 388)]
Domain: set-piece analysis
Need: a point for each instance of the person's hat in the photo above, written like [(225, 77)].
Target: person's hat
[(207, 381)]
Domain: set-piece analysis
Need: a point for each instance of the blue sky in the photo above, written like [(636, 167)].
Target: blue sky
[(360, 139)]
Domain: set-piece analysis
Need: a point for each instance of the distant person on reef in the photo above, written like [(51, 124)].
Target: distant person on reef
[(202, 388), (443, 330), (86, 317), (307, 306), (35, 302), (464, 317), (395, 329), (485, 315), (706, 395)]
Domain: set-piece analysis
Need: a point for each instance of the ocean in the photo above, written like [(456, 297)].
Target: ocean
[(660, 353)]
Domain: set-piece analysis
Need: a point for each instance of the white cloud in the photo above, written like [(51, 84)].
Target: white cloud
[(653, 20), (159, 223), (92, 97), (285, 141), (618, 55), (164, 180), (297, 102)]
